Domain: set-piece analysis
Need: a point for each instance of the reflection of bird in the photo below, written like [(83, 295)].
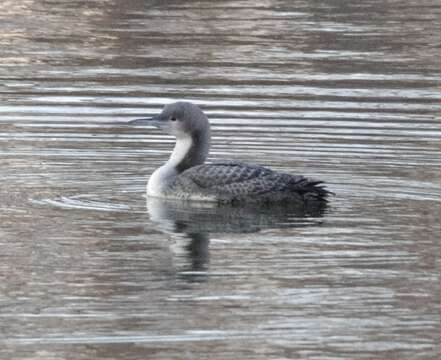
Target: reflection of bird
[(197, 217), (186, 177), (196, 221)]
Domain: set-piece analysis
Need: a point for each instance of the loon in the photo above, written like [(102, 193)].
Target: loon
[(186, 176)]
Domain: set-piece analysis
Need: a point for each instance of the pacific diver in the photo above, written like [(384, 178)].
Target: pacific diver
[(185, 176)]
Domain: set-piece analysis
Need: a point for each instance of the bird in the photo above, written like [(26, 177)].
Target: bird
[(186, 176)]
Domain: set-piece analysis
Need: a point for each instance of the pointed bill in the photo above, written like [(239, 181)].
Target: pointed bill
[(154, 121)]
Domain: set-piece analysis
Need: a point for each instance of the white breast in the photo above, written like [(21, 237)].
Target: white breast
[(160, 179)]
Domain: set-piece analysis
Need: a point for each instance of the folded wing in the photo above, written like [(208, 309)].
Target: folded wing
[(236, 181)]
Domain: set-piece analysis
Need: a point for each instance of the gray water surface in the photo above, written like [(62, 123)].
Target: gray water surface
[(345, 92)]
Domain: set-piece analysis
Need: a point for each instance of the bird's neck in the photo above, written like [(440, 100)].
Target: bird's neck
[(189, 151)]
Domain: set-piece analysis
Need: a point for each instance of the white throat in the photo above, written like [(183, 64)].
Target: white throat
[(162, 176), (180, 151)]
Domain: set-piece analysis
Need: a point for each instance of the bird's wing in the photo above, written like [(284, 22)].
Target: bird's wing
[(239, 179), (222, 174)]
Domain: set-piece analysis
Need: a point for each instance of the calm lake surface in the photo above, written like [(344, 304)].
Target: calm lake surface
[(346, 92)]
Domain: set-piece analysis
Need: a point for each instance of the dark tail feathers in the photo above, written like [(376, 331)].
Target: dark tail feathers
[(315, 190)]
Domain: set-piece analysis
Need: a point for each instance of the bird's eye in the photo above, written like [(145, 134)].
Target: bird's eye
[(173, 118)]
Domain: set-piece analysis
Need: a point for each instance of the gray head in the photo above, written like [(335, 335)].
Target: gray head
[(181, 119), (185, 121)]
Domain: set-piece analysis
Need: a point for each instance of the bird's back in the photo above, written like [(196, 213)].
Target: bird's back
[(237, 182)]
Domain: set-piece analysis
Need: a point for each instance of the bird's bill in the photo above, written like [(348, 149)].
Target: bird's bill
[(153, 121)]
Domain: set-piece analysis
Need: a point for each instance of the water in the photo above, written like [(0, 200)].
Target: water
[(344, 92)]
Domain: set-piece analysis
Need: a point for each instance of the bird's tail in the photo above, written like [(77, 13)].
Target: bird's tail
[(315, 191)]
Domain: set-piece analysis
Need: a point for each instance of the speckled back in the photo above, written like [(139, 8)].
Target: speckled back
[(232, 181)]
